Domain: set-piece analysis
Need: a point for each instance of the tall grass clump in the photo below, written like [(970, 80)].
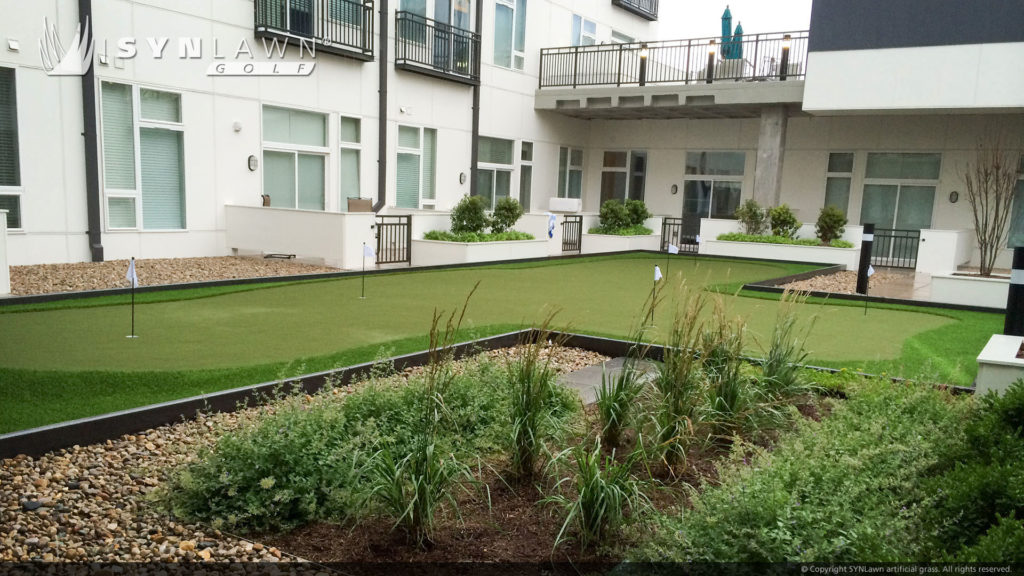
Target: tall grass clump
[(782, 375), (731, 395)]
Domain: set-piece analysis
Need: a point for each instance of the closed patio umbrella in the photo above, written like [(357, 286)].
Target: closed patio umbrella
[(736, 48)]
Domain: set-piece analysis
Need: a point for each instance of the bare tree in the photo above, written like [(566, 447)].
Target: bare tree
[(990, 180)]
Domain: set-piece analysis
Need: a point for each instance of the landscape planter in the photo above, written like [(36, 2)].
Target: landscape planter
[(998, 365), (438, 253), (970, 290), (603, 243), (849, 257)]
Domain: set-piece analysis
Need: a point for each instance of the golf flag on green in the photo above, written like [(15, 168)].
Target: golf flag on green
[(673, 249), (368, 251), (131, 276), (657, 273)]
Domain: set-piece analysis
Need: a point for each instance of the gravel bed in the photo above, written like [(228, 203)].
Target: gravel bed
[(89, 503), (50, 278), (843, 282)]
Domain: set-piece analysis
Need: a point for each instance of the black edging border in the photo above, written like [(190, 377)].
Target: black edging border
[(38, 441), (772, 287)]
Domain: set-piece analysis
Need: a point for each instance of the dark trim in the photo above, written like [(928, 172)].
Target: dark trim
[(93, 198), (474, 146), (382, 110), (877, 24), (633, 7), (410, 66), (321, 46)]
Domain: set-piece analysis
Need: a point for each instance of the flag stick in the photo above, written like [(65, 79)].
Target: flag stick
[(362, 295), (133, 311), (654, 287)]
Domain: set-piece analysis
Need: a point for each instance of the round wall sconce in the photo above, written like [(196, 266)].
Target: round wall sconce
[(462, 177), (953, 197), (253, 163), (675, 189)]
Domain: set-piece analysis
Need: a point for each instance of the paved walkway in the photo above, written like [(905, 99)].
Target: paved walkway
[(587, 381), (909, 285)]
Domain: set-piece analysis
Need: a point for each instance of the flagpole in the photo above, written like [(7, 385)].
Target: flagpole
[(362, 294), (133, 310)]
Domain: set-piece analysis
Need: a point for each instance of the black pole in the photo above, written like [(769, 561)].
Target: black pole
[(711, 63), (1014, 324), (382, 108), (474, 143), (867, 241), (784, 64), (93, 200), (643, 64)]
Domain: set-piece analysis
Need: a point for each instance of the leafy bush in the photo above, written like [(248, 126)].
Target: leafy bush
[(614, 215), (630, 231), (507, 212), (752, 216), (831, 224), (469, 215), (783, 221), (637, 211), (446, 236), (762, 239)]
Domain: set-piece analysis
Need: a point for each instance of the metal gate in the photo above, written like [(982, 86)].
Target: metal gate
[(394, 240), (572, 233), (672, 233), (895, 248)]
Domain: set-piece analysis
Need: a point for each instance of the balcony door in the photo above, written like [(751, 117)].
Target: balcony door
[(451, 47)]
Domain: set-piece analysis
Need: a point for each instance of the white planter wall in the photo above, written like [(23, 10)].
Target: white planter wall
[(848, 257), (970, 291), (436, 253), (604, 243), (998, 365), (942, 251)]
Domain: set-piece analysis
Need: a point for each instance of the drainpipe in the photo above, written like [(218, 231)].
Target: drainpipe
[(92, 157), (382, 110), (474, 147)]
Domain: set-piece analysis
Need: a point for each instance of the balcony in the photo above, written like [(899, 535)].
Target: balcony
[(755, 58), (436, 49), (342, 27), (646, 9)]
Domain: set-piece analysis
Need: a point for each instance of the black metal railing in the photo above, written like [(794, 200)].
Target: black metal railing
[(437, 49), (342, 27), (672, 233), (644, 8), (758, 57), (572, 233), (895, 248), (394, 239)]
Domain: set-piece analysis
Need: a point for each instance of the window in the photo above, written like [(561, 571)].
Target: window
[(510, 34), (899, 190), (620, 38), (349, 154), (417, 160), (837, 180), (1016, 236), (294, 158), (494, 173), (624, 175), (10, 165), (584, 32), (143, 158), (711, 188), (570, 172), (526, 175)]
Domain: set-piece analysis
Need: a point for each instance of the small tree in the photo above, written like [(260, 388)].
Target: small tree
[(638, 212), (831, 224), (783, 221), (469, 215), (990, 180), (752, 216), (614, 215), (507, 212)]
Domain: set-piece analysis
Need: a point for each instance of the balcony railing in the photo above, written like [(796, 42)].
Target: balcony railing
[(643, 8), (342, 27), (437, 49), (757, 57)]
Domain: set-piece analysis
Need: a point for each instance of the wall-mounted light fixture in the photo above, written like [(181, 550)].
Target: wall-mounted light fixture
[(254, 163), (462, 177), (675, 189), (784, 63), (953, 197), (711, 61)]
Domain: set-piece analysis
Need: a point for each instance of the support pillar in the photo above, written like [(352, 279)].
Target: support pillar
[(771, 147)]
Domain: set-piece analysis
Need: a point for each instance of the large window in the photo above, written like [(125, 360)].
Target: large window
[(570, 172), (584, 32), (294, 158), (838, 179), (10, 165), (510, 33), (494, 173), (712, 185), (350, 147), (899, 190), (143, 158), (417, 161), (624, 175)]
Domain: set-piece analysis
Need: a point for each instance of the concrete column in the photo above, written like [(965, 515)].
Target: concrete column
[(771, 146), (5, 272)]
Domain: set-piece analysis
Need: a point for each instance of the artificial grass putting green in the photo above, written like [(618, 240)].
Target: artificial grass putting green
[(66, 362)]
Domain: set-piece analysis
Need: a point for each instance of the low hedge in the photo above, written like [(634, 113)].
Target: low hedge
[(638, 230), (768, 239), (445, 236)]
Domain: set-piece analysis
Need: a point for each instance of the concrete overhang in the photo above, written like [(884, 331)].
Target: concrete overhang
[(721, 99)]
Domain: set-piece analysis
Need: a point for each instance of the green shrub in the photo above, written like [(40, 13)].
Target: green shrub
[(469, 215), (783, 221), (637, 211), (630, 231), (445, 236), (1003, 542), (752, 216), (507, 212), (831, 224), (763, 239), (614, 215)]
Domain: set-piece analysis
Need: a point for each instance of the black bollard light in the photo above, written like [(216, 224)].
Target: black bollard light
[(867, 241), (1014, 324)]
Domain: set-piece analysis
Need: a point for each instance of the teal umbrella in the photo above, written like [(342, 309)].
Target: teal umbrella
[(736, 48), (726, 31)]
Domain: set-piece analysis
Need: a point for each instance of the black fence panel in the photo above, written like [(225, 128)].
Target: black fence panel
[(672, 233), (572, 233), (895, 248), (394, 239)]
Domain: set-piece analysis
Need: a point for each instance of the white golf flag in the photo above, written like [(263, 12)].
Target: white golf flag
[(657, 273), (131, 276), (673, 249), (871, 270), (368, 251), (697, 239)]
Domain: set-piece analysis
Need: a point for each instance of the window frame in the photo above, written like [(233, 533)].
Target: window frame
[(713, 178), (18, 190), (848, 176), (296, 149), (631, 155), (563, 185), (517, 56), (526, 163), (899, 183), (356, 146), (421, 202), (494, 168), (577, 38), (138, 124)]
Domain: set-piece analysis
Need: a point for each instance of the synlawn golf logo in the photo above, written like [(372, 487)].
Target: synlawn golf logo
[(238, 61)]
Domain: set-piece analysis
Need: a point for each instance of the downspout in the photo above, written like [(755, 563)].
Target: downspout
[(382, 110), (92, 157), (474, 147)]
